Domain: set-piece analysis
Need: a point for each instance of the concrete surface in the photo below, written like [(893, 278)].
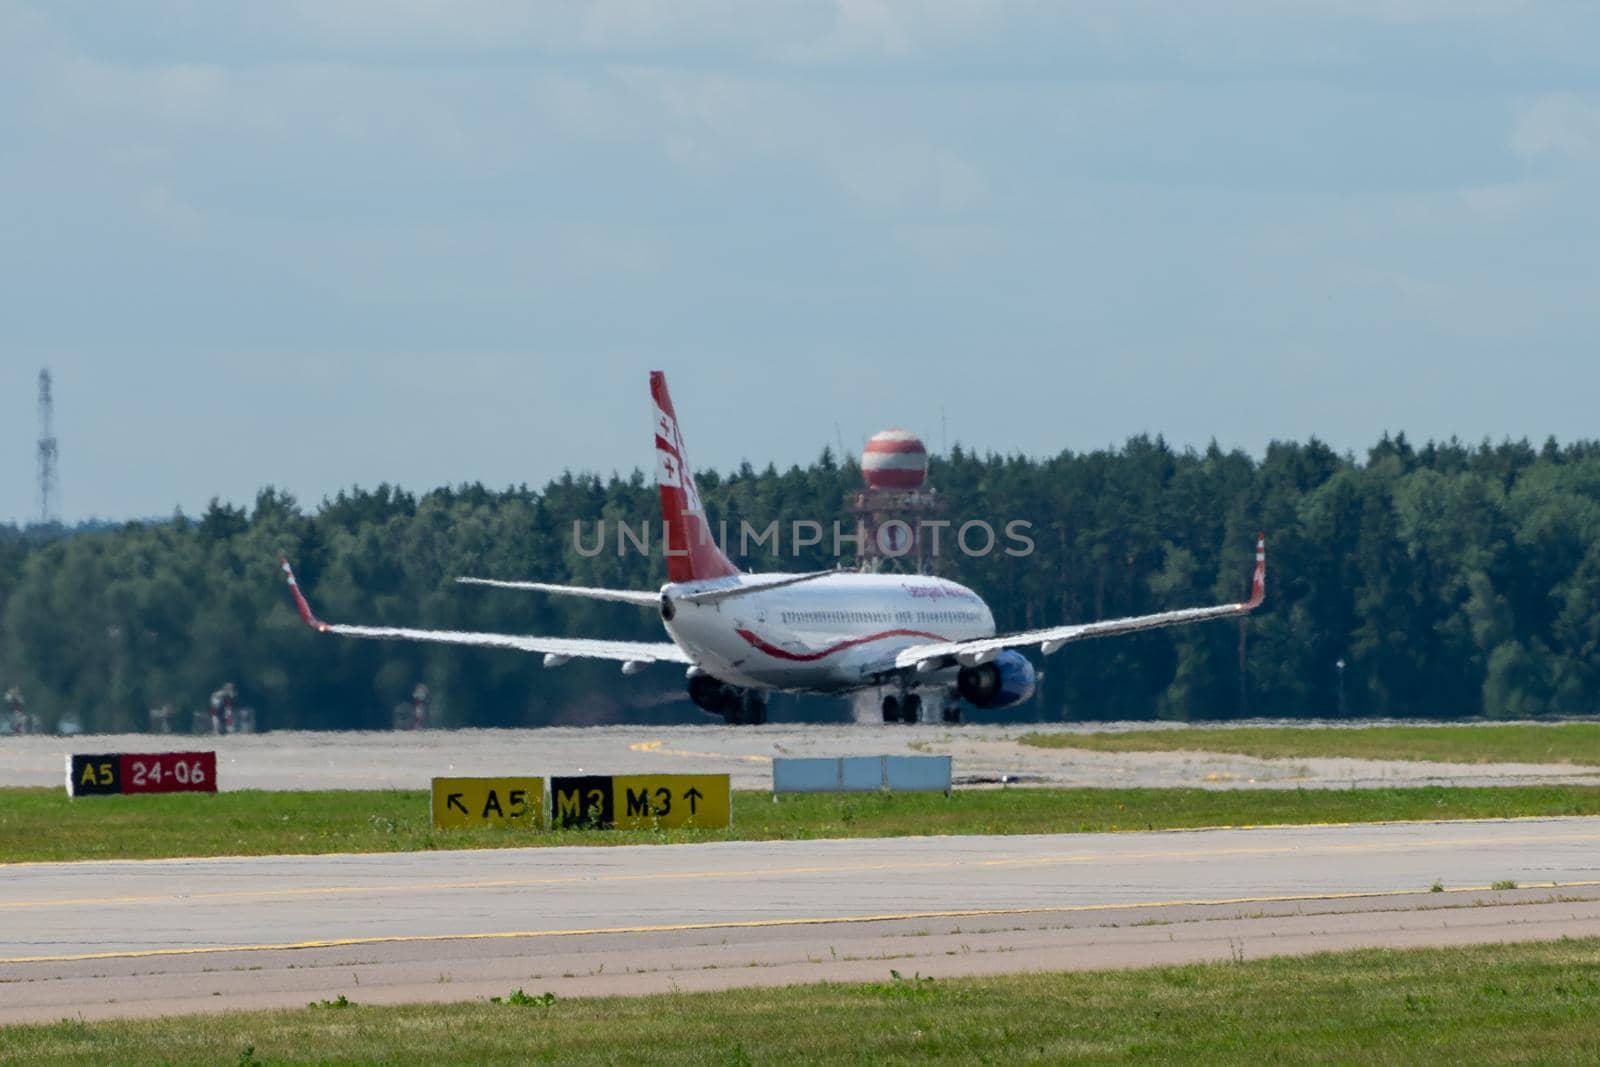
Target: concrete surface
[(114, 938), (311, 760)]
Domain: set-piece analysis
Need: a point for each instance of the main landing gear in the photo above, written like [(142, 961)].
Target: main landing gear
[(907, 707)]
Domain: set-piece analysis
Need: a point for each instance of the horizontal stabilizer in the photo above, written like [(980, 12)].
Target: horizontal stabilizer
[(643, 598), (747, 586)]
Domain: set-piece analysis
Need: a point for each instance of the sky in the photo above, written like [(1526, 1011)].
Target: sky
[(319, 244)]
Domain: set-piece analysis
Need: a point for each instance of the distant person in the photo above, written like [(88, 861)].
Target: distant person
[(19, 720), (222, 709), (419, 707)]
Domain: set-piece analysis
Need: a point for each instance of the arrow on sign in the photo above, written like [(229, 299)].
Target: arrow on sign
[(454, 801), (692, 796)]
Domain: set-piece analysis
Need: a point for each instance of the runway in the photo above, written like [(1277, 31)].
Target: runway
[(132, 938)]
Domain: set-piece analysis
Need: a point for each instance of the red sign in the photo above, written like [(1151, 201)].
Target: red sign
[(169, 772)]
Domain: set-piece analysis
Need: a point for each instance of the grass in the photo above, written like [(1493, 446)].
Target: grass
[(1575, 743), (42, 824), (1532, 1003)]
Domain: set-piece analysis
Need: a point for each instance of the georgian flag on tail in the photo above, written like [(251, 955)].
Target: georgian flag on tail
[(691, 551)]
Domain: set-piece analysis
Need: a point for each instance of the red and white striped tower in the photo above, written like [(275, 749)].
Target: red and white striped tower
[(896, 499), (894, 459)]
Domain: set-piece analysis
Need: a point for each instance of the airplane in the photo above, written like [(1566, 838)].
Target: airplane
[(743, 636)]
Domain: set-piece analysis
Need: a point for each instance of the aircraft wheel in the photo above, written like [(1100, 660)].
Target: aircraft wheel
[(891, 709), (756, 713), (952, 714), (911, 709)]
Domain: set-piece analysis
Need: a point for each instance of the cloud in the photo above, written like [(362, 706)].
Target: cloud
[(1561, 126), (887, 183), (885, 157), (1505, 202)]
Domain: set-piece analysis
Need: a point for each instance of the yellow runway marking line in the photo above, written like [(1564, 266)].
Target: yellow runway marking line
[(1059, 859), (501, 883), (1278, 850), (753, 924), (656, 746)]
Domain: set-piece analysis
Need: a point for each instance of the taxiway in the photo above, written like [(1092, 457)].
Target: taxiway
[(112, 938)]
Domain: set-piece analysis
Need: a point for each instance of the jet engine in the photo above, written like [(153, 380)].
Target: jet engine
[(711, 695), (1003, 681), (739, 707)]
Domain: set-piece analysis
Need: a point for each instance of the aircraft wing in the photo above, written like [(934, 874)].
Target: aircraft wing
[(971, 653), (557, 650), (643, 598)]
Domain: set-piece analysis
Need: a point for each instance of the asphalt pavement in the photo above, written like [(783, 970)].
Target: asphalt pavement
[(111, 938)]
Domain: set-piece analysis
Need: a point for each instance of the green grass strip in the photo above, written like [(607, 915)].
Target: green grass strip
[(1533, 1003), (42, 824), (1575, 743)]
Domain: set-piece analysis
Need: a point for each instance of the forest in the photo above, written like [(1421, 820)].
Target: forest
[(1442, 582)]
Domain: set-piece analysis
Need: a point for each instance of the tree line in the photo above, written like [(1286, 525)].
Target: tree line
[(1445, 581)]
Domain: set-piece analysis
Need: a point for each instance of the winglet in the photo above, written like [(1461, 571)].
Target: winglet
[(300, 599), (1258, 583)]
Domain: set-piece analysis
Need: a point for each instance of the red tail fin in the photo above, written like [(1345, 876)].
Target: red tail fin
[(1258, 581), (691, 551)]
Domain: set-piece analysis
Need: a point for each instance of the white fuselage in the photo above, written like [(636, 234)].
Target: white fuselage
[(829, 634)]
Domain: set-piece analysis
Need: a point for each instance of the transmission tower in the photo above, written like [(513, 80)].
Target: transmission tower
[(49, 485)]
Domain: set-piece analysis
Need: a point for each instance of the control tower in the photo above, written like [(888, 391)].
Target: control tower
[(896, 501)]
